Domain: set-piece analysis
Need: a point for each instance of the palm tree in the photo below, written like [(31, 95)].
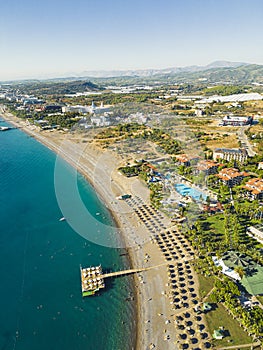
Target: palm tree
[(240, 270)]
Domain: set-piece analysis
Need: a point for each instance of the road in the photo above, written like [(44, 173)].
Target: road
[(245, 142)]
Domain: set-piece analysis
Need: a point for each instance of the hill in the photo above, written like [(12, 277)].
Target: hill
[(240, 74), (219, 72), (56, 87), (245, 74)]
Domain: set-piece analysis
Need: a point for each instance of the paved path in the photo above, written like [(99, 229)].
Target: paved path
[(250, 345)]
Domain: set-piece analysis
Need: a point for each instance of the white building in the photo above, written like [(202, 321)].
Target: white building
[(229, 154), (78, 109), (225, 269), (236, 121), (102, 120), (256, 232), (93, 109), (137, 118), (232, 98)]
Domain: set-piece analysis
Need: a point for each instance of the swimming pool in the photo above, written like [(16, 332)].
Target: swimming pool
[(189, 191)]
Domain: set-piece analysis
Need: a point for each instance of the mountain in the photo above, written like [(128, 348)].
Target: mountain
[(239, 74), (218, 72), (242, 74), (153, 72), (225, 64)]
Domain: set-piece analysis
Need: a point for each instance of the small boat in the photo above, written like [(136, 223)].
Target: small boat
[(62, 219), (4, 128)]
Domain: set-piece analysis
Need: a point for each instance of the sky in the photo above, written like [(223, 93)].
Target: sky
[(54, 38)]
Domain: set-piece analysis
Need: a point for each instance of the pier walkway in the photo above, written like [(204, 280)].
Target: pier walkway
[(127, 272)]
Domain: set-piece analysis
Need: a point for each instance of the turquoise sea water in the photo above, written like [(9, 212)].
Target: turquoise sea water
[(40, 297)]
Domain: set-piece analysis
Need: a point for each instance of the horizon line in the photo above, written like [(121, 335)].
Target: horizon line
[(78, 75)]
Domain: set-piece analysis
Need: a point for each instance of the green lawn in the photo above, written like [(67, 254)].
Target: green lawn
[(217, 223), (205, 285), (219, 317)]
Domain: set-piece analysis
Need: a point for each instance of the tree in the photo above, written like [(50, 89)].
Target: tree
[(240, 271)]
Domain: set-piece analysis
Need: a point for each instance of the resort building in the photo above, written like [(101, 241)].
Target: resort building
[(92, 109), (238, 154), (76, 109), (213, 208), (231, 176), (52, 108), (256, 232), (254, 188), (32, 101), (252, 273), (102, 120), (186, 160), (226, 270), (252, 280), (208, 167), (236, 121)]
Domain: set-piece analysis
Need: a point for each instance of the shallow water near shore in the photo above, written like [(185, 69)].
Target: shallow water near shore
[(41, 303)]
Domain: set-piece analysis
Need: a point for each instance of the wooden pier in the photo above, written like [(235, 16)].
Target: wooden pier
[(92, 278), (130, 271)]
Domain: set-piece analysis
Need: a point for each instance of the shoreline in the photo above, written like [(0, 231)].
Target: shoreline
[(140, 342), (166, 295)]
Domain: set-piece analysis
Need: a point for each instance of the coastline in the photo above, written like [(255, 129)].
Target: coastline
[(167, 294), (53, 142), (16, 122)]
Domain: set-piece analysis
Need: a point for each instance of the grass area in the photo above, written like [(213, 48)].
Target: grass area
[(254, 107), (205, 285), (213, 229), (219, 317), (216, 223), (215, 136), (260, 299), (229, 141)]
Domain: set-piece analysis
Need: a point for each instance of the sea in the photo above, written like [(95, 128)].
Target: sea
[(40, 256)]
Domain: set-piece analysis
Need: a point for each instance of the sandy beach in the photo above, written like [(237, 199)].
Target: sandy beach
[(167, 294)]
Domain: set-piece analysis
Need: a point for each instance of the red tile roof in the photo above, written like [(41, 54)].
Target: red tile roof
[(229, 173), (254, 185), (207, 164)]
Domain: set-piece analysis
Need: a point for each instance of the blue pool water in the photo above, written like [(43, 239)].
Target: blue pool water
[(189, 191)]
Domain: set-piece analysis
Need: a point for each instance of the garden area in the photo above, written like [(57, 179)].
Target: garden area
[(234, 334)]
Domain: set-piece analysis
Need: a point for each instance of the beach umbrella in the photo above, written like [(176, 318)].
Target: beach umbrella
[(237, 259)]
